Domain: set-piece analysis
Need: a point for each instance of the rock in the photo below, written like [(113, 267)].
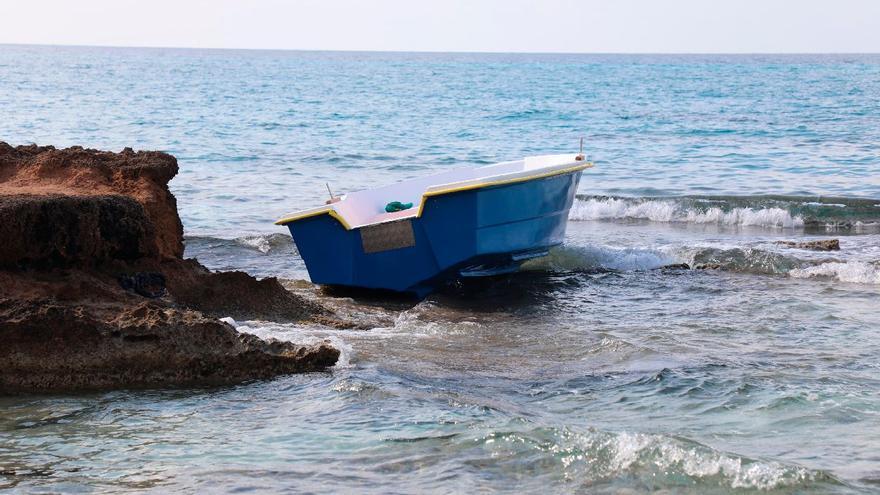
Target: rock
[(147, 284), (676, 266), (708, 266), (820, 245), (56, 230), (236, 294), (94, 292), (52, 346), (142, 176)]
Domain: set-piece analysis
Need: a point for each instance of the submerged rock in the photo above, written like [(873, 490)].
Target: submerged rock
[(820, 245), (94, 292)]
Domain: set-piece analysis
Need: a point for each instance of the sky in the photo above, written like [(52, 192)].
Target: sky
[(561, 26)]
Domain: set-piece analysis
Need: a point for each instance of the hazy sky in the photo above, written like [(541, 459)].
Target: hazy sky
[(728, 26)]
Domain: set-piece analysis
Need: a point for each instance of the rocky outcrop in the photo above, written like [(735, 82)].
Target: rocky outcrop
[(237, 294), (820, 245), (94, 292), (142, 176), (57, 230), (51, 345)]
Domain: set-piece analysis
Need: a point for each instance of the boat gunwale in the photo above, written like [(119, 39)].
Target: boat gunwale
[(438, 190)]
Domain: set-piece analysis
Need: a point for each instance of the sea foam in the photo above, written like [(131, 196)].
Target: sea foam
[(858, 272), (670, 210), (298, 334)]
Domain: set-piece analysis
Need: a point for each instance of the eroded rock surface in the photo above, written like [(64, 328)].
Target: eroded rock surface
[(820, 245), (94, 292)]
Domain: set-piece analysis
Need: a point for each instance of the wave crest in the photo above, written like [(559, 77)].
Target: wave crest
[(781, 212), (654, 456), (663, 210), (858, 272), (264, 243)]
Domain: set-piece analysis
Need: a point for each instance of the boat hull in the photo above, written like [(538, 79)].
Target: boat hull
[(471, 233)]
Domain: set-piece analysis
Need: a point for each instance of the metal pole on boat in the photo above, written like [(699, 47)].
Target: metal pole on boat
[(333, 199), (580, 155)]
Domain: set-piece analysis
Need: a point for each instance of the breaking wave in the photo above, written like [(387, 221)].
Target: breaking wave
[(594, 460), (265, 243), (858, 272), (672, 461), (781, 212), (261, 243)]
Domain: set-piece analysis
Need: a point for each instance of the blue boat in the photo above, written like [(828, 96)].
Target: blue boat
[(467, 222)]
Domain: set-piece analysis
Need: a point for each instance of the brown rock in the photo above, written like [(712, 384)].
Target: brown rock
[(57, 230), (94, 292), (143, 176), (235, 294), (52, 346), (820, 245)]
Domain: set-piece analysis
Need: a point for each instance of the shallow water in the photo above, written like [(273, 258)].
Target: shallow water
[(593, 370)]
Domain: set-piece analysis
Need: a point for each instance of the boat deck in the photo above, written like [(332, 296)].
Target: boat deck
[(364, 208)]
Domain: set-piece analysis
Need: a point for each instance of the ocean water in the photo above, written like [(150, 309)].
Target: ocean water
[(598, 369)]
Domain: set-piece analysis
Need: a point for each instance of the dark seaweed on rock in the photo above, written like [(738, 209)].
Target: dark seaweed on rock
[(57, 230)]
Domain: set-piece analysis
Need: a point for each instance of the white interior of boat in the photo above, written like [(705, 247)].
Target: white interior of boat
[(367, 207)]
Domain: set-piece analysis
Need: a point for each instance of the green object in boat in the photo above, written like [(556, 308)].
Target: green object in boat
[(397, 206)]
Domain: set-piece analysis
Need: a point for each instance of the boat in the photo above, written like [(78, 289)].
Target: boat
[(416, 235)]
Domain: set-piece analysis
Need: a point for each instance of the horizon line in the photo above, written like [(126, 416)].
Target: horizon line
[(451, 52)]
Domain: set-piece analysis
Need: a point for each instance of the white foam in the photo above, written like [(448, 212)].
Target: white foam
[(765, 217), (259, 242), (262, 243), (299, 334), (671, 211), (858, 272), (612, 208), (632, 451)]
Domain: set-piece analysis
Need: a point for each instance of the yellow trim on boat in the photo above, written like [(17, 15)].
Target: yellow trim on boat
[(329, 210), (449, 190), (479, 185)]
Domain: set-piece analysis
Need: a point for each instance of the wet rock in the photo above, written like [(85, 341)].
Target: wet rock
[(708, 266), (820, 245), (236, 294), (51, 346), (94, 292), (676, 266), (150, 285)]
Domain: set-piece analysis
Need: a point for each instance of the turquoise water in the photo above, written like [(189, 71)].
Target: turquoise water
[(594, 370)]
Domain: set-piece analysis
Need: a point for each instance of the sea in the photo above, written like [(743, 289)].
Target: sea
[(607, 367)]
